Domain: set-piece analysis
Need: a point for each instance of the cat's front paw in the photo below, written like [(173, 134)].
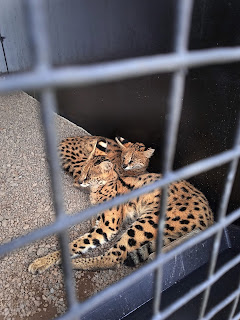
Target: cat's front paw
[(42, 264)]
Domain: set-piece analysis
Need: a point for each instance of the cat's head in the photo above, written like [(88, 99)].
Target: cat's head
[(98, 169), (135, 156)]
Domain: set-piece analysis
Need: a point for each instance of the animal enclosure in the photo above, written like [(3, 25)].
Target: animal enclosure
[(207, 154)]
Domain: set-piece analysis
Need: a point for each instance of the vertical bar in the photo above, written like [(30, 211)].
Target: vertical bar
[(38, 32), (48, 106), (183, 25), (36, 10), (221, 214), (234, 306)]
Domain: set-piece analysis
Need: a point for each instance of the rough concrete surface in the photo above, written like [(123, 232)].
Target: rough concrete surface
[(25, 205)]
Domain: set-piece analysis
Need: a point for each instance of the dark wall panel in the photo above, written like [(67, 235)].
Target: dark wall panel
[(136, 108)]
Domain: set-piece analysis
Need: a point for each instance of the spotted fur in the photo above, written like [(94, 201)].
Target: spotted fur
[(187, 209), (130, 158)]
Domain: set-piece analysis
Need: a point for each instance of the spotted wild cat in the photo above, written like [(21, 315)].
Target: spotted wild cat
[(187, 209), (130, 158)]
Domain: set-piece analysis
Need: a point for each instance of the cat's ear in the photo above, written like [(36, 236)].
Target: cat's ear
[(106, 166), (101, 147), (149, 152), (123, 143)]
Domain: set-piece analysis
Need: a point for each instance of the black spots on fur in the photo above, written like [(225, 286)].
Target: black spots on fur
[(171, 239), (185, 229), (124, 184), (148, 235), (176, 218), (204, 208), (175, 188), (96, 242), (73, 250), (113, 220), (107, 223), (103, 217), (184, 189), (143, 243), (174, 199), (191, 216), (99, 230), (184, 221), (165, 233), (193, 226), (105, 236), (168, 227), (148, 217), (75, 245), (139, 227), (183, 209), (131, 242), (123, 248), (131, 233), (151, 222), (129, 261), (186, 203), (169, 209), (141, 221), (74, 158), (97, 162), (130, 204), (189, 198), (98, 218), (82, 247), (118, 220), (202, 223), (182, 196), (201, 216), (86, 241), (140, 258), (178, 204), (115, 246), (156, 213), (155, 225), (172, 191), (111, 228), (168, 218), (196, 203), (140, 178), (196, 208)]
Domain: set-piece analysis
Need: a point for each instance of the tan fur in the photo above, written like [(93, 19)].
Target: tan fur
[(130, 158), (187, 209)]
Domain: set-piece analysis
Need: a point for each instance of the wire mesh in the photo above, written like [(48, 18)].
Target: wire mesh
[(45, 79)]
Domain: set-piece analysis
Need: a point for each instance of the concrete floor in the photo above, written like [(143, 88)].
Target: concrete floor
[(26, 205)]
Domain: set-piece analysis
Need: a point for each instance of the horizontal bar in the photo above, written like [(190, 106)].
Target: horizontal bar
[(221, 305), (68, 221), (116, 288), (117, 70), (198, 289)]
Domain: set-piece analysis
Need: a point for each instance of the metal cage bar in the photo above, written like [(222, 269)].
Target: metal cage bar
[(42, 55), (182, 30), (44, 78), (220, 215)]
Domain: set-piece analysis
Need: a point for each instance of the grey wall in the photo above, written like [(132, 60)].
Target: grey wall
[(85, 31)]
